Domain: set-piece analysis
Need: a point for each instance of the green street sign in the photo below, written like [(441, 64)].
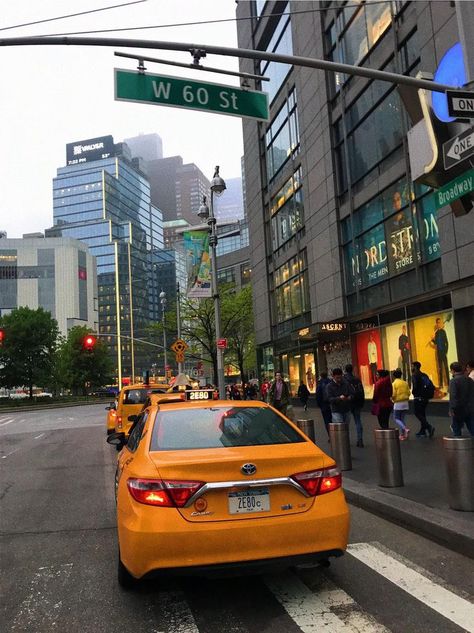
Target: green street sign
[(193, 95), (460, 186)]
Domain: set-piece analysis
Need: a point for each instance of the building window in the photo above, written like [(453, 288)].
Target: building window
[(388, 236), (282, 140), (287, 212), (281, 43), (226, 276), (291, 288), (245, 272)]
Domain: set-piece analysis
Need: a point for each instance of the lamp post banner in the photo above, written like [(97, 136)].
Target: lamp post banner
[(198, 264)]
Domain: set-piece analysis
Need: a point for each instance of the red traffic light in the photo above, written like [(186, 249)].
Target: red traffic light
[(90, 341), (2, 335)]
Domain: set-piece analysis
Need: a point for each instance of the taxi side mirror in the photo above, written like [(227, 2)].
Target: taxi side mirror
[(117, 439)]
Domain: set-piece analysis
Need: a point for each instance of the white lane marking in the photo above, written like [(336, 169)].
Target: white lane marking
[(38, 610), (445, 602), (11, 453), (176, 613), (38, 436), (7, 422), (313, 610)]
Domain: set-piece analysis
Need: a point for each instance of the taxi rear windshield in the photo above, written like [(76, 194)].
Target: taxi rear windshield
[(139, 396), (218, 427)]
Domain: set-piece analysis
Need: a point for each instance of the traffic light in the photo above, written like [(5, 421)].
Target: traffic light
[(89, 342), (2, 336)]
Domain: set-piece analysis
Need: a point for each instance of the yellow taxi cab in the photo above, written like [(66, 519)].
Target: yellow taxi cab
[(111, 417), (205, 485), (130, 401)]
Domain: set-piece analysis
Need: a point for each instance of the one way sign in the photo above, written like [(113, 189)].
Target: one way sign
[(458, 148)]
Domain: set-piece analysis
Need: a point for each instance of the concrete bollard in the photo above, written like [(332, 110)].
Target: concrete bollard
[(389, 459), (459, 456), (307, 426), (340, 445)]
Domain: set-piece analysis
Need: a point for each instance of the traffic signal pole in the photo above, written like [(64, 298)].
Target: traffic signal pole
[(200, 50)]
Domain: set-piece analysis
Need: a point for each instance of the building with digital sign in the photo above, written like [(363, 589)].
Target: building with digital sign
[(104, 201), (339, 233), (56, 274)]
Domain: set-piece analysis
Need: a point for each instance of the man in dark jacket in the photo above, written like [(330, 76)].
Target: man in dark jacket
[(339, 396), (420, 400), (279, 393), (357, 402), (461, 400), (303, 395), (322, 400)]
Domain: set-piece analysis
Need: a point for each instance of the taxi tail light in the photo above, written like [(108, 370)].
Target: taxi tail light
[(119, 421), (319, 482), (162, 493)]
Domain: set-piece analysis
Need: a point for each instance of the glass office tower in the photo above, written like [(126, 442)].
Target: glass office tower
[(102, 197)]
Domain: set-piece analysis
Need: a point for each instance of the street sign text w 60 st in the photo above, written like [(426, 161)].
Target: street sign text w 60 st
[(193, 95)]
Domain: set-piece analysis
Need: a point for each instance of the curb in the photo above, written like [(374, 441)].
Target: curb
[(451, 530)]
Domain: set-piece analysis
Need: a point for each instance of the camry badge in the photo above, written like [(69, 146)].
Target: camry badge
[(249, 469)]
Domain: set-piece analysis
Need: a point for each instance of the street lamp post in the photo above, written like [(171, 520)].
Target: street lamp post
[(178, 319), (217, 188), (163, 309)]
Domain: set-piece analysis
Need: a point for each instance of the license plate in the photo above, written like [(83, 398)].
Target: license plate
[(249, 501)]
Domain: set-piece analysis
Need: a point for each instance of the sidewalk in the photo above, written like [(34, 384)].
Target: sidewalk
[(422, 503)]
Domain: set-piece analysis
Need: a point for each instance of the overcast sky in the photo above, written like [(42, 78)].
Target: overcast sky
[(53, 95)]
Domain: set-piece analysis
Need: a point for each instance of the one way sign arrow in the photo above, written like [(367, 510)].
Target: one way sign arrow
[(458, 148)]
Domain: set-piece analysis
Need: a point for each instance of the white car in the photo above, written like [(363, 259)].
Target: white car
[(44, 394)]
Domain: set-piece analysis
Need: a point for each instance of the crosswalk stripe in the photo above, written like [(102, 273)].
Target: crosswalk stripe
[(7, 422), (176, 613), (311, 610), (441, 600)]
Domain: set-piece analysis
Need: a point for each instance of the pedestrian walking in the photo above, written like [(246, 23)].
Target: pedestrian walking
[(339, 395), (400, 396), (461, 401), (303, 395), (322, 401), (264, 388), (235, 393), (358, 399), (279, 393), (382, 398), (423, 390)]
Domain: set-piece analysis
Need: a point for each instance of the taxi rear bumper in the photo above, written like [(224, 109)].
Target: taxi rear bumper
[(155, 539)]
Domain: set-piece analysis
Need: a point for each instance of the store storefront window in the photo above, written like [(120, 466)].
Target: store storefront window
[(309, 369), (429, 340), (434, 346), (367, 357), (294, 372)]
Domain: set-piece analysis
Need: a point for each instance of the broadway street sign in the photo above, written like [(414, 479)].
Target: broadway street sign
[(460, 104), (460, 186), (195, 95), (458, 148)]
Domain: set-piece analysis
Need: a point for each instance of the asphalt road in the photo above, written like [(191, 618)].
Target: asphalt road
[(58, 558)]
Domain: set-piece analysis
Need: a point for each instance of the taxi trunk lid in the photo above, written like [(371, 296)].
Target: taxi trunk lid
[(230, 494)]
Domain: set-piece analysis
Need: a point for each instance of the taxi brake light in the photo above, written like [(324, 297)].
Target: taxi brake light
[(119, 421), (319, 482), (163, 493)]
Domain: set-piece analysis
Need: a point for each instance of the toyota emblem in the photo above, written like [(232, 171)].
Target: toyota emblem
[(249, 469)]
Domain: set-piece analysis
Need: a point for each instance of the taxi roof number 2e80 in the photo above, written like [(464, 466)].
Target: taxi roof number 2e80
[(204, 483)]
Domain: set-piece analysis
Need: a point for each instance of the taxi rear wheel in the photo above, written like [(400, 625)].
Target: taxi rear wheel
[(124, 577)]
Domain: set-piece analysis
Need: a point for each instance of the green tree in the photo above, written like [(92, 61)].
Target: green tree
[(28, 348), (198, 328), (82, 369), (237, 311)]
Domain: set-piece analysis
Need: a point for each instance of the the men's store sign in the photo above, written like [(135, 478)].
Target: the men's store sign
[(389, 249)]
